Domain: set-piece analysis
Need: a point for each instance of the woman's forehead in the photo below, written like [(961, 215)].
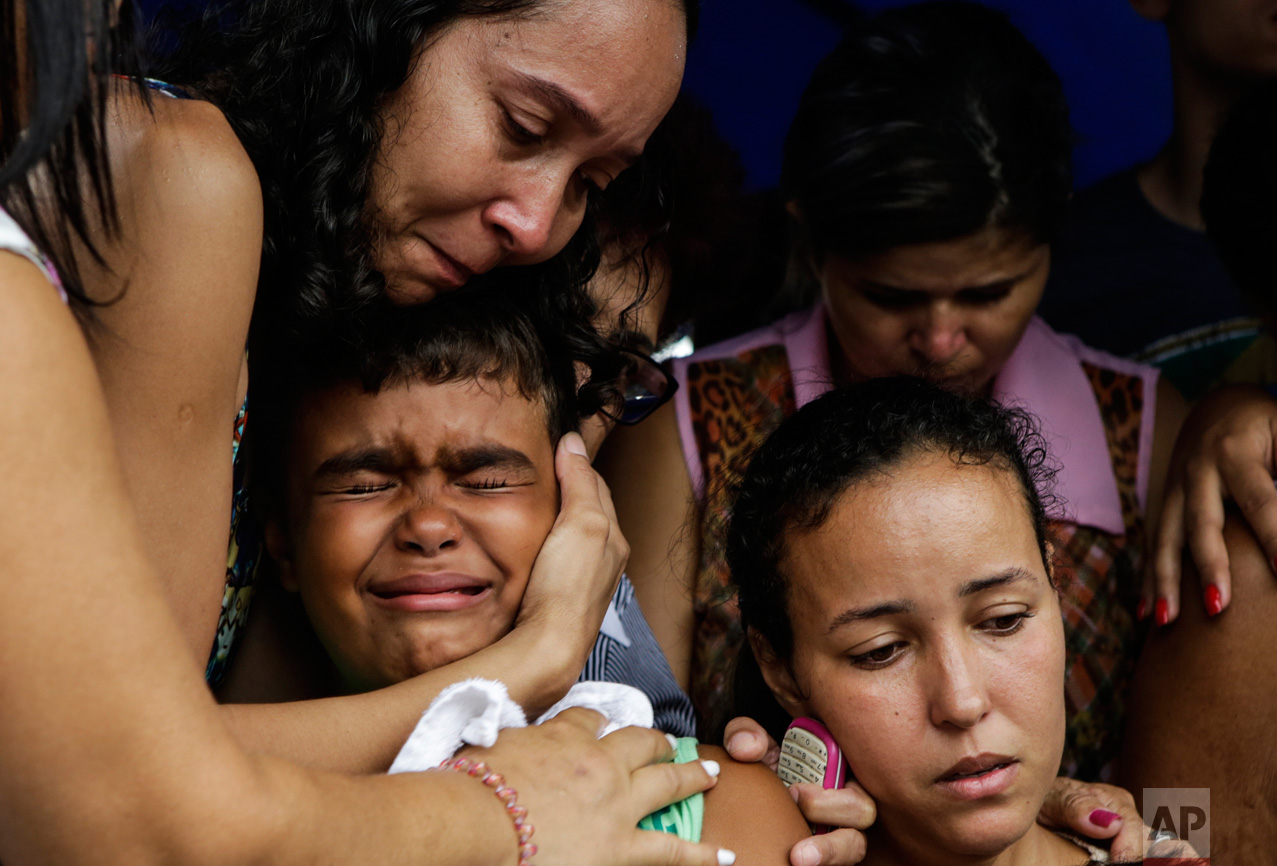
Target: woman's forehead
[(974, 261), (930, 525)]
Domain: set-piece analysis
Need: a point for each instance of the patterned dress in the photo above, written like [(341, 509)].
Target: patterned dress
[(1097, 413)]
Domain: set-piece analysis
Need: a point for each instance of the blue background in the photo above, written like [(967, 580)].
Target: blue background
[(752, 58)]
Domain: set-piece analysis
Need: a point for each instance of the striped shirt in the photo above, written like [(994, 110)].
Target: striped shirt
[(626, 652)]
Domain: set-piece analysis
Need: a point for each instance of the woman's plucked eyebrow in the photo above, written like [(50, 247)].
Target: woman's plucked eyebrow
[(888, 608), (1010, 576), (568, 104), (859, 614)]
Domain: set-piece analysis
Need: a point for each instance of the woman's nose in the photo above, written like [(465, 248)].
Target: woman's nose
[(960, 696), (940, 335), (537, 216), (428, 526)]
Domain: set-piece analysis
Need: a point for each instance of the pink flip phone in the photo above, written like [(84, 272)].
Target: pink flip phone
[(808, 753)]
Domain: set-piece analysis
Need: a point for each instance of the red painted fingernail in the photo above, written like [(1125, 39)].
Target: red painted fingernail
[(1141, 610), (1103, 817), (1214, 602), (1163, 612)]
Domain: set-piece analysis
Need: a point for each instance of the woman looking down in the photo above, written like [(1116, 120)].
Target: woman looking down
[(111, 750)]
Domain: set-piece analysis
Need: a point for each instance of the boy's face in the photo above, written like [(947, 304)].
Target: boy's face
[(413, 518)]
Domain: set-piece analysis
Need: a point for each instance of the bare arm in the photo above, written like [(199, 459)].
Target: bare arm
[(180, 279), (111, 750), (656, 508)]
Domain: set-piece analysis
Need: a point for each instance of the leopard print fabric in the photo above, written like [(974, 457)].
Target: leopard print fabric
[(737, 402)]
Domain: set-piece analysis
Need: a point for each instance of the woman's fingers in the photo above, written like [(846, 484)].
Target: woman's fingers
[(1163, 565), (658, 785), (1204, 530), (848, 807), (746, 741), (1095, 811), (581, 560), (1255, 493), (837, 848), (652, 848)]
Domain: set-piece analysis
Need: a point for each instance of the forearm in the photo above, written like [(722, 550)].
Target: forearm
[(363, 733)]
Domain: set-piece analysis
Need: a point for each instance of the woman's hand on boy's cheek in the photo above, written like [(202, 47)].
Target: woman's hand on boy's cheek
[(850, 809), (1096, 811)]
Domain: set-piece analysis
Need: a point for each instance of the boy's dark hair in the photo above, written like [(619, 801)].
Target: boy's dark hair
[(1239, 197), (847, 436), (927, 123), (481, 333)]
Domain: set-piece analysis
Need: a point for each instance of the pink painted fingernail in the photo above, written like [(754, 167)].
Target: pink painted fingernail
[(1214, 600), (1103, 817), (1163, 614), (1141, 609)]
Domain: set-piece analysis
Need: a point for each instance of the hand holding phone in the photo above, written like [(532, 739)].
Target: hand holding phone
[(808, 753)]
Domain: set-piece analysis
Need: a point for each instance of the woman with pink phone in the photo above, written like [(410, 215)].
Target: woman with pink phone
[(891, 552)]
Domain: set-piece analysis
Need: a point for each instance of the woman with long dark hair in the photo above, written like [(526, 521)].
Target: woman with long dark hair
[(110, 748), (305, 161)]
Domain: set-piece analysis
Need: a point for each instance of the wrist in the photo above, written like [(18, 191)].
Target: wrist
[(507, 796)]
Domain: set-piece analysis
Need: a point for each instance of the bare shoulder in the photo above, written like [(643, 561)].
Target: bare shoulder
[(750, 812), (189, 139), (189, 198)]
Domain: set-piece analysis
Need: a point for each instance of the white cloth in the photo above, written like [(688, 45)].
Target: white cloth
[(474, 711)]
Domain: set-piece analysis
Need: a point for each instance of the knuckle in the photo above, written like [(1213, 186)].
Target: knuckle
[(1232, 448)]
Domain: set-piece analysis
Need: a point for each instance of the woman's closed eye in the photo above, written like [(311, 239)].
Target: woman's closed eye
[(518, 132)]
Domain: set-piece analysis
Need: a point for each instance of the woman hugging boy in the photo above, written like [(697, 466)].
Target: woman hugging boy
[(410, 472)]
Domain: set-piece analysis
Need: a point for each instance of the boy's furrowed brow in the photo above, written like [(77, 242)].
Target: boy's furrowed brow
[(489, 456), (355, 460)]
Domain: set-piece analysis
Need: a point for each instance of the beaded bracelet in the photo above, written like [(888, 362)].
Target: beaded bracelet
[(507, 795)]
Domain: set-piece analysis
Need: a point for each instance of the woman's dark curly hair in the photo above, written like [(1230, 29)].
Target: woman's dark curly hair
[(847, 436), (927, 123), (302, 83)]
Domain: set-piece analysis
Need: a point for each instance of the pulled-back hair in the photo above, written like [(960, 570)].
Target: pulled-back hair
[(53, 122), (848, 436), (1239, 196), (927, 123)]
